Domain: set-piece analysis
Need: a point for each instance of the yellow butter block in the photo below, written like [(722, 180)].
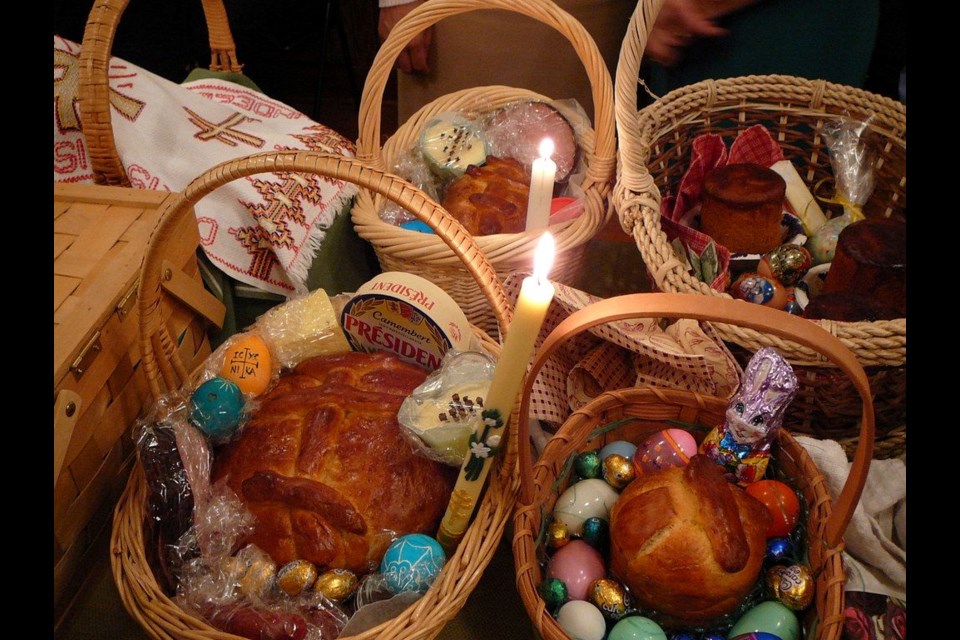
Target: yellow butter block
[(302, 328)]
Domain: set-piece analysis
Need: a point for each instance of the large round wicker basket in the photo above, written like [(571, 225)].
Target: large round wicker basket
[(633, 414), (400, 249), (654, 152), (139, 590)]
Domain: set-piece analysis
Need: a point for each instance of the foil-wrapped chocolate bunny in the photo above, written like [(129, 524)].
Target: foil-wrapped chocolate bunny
[(754, 416)]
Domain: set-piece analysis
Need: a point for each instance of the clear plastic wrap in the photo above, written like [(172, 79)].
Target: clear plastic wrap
[(410, 165), (301, 328), (853, 159), (439, 416)]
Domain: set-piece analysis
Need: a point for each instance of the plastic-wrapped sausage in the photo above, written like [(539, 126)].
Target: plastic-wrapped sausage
[(257, 624)]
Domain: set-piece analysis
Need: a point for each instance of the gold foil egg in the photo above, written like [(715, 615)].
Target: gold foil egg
[(247, 363), (794, 587), (294, 577), (336, 584), (610, 597), (557, 534), (618, 471), (258, 578)]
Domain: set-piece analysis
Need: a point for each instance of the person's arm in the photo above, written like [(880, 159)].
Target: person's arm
[(413, 59), (682, 21)]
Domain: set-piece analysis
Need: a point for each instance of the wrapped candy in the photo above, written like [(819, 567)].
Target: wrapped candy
[(753, 418)]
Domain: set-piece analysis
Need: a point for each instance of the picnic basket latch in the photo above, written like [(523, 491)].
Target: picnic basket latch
[(87, 356)]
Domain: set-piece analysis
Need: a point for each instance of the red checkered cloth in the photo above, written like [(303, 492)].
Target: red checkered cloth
[(709, 151)]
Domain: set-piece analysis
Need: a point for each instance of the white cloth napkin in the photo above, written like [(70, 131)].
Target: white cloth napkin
[(876, 538)]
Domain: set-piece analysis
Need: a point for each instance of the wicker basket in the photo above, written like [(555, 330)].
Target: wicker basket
[(138, 588), (94, 87), (654, 151), (650, 408), (404, 250)]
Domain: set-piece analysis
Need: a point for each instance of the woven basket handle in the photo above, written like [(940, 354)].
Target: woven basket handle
[(677, 305), (633, 174), (158, 349), (545, 11), (94, 87)]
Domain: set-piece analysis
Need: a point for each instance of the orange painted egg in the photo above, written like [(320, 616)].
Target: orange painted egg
[(247, 363), (782, 503)]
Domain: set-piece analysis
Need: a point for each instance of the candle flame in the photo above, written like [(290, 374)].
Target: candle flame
[(543, 257), (546, 148)]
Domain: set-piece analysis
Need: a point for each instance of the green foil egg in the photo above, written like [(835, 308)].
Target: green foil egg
[(587, 465), (553, 592)]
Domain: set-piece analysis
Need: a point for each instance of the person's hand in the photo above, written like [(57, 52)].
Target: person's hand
[(413, 59), (680, 22)]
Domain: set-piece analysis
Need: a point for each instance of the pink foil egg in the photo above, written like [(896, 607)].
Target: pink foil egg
[(664, 449), (577, 564)]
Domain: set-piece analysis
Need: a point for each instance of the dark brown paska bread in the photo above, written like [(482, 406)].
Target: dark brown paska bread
[(742, 207), (491, 198), (324, 466), (871, 260), (688, 543)]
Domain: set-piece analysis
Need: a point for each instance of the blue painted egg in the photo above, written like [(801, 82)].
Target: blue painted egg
[(412, 562), (769, 617), (216, 407), (621, 447)]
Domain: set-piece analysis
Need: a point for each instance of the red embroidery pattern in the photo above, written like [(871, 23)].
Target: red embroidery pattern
[(247, 100), (256, 242), (224, 131), (128, 108)]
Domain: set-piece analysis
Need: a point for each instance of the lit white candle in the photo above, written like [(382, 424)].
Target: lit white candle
[(536, 293), (541, 187)]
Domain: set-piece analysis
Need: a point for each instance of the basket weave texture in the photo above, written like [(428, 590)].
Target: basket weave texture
[(139, 590), (423, 254), (654, 151), (650, 408)]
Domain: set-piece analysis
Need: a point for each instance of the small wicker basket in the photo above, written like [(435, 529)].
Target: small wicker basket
[(94, 89), (425, 255), (649, 409), (143, 598), (654, 152)]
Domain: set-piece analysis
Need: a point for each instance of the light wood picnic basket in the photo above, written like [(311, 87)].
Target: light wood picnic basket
[(139, 590), (94, 87), (650, 410), (654, 153), (423, 254)]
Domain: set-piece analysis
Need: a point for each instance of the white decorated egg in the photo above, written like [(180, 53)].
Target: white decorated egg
[(590, 498)]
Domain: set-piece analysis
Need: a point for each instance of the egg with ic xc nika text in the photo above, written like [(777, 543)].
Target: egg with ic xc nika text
[(247, 363)]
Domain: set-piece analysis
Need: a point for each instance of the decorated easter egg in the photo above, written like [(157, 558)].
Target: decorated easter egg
[(412, 562), (636, 628), (780, 550), (768, 617), (620, 447), (757, 635), (557, 534), (610, 597), (294, 577), (216, 407), (336, 584), (618, 471), (577, 564), (782, 503), (247, 363), (793, 586), (596, 533), (786, 264), (757, 289), (582, 620), (587, 465), (590, 498), (553, 592), (664, 449)]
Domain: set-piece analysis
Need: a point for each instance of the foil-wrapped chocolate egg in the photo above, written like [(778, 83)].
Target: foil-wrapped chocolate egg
[(618, 470), (295, 577), (758, 289), (258, 578), (780, 550), (336, 584), (596, 533), (786, 264), (587, 465), (554, 592), (557, 534), (794, 587), (610, 597)]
